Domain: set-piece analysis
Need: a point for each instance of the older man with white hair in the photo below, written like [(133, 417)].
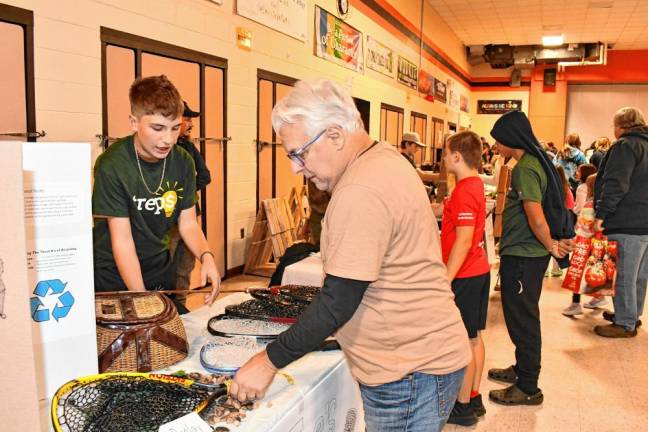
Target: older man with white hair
[(621, 198), (386, 293)]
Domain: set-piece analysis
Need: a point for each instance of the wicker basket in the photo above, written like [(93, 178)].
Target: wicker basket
[(138, 331)]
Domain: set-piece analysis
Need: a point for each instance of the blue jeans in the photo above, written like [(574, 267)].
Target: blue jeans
[(418, 403), (632, 277)]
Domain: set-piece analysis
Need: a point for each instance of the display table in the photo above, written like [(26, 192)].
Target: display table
[(308, 271), (324, 396)]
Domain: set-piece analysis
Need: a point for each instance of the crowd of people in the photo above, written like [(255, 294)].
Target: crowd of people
[(407, 304)]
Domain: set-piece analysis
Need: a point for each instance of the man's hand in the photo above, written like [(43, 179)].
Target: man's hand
[(565, 246), (208, 271), (598, 225), (253, 379)]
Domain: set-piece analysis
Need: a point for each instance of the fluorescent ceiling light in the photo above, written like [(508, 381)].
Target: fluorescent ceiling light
[(552, 40)]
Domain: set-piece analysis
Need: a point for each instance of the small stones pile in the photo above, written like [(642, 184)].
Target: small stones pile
[(209, 379), (230, 411)]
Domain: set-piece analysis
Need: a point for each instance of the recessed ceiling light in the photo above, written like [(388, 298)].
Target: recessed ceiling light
[(552, 40)]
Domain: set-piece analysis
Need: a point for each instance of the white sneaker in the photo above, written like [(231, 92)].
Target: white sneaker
[(596, 303), (573, 309)]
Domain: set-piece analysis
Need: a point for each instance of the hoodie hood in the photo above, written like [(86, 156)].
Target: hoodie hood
[(513, 129)]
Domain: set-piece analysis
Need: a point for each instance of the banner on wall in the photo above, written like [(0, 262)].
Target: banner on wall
[(379, 57), (287, 16), (463, 103), (426, 85), (440, 91), (498, 106), (407, 73), (336, 41)]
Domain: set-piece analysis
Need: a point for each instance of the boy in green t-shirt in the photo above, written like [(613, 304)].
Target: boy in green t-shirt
[(525, 247), (144, 186)]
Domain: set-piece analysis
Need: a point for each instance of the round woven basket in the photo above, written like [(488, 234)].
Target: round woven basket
[(138, 331)]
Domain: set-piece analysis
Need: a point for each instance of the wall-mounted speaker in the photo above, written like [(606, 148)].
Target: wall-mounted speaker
[(550, 77), (516, 77)]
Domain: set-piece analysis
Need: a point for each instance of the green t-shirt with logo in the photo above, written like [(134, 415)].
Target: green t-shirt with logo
[(119, 191), (528, 183)]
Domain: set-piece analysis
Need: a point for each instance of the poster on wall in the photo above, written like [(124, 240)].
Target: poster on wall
[(407, 73), (440, 91), (58, 233), (453, 95), (426, 85), (498, 106), (337, 41), (379, 57), (286, 16), (463, 103)]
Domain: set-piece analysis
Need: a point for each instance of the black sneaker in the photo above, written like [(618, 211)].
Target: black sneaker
[(513, 395), (462, 414), (507, 375), (609, 316), (477, 405)]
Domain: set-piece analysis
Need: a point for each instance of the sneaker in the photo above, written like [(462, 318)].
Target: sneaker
[(513, 395), (596, 303), (462, 414), (573, 309), (556, 273), (477, 405), (614, 331), (609, 316), (507, 375)]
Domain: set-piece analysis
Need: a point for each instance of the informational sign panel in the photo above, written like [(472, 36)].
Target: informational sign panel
[(19, 394), (379, 57), (58, 227), (337, 41), (498, 106), (407, 73), (285, 16)]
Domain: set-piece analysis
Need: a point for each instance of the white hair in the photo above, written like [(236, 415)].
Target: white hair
[(317, 105)]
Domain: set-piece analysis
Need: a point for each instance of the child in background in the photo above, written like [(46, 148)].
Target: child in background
[(597, 301), (582, 174), (556, 271), (462, 244)]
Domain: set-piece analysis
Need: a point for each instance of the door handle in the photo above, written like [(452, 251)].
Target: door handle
[(37, 134)]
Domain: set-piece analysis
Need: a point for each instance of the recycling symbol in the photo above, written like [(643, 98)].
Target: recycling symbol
[(48, 288)]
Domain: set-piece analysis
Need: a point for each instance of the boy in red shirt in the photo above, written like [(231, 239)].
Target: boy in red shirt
[(462, 245)]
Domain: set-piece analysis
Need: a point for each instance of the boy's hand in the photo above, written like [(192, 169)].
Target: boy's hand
[(208, 271)]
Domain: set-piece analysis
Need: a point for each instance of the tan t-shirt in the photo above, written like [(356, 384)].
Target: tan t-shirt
[(379, 227)]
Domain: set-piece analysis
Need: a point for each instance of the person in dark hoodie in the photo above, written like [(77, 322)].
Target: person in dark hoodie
[(621, 198), (536, 225)]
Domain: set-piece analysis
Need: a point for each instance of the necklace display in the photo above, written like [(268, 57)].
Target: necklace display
[(142, 175)]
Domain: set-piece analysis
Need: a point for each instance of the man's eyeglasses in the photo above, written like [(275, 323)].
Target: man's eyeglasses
[(297, 155)]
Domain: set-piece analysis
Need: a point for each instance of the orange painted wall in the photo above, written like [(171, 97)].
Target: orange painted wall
[(628, 66), (548, 107)]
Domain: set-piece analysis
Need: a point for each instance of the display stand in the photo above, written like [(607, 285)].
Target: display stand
[(300, 210), (273, 233)]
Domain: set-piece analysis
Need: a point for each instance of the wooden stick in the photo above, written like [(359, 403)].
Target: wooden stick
[(189, 291)]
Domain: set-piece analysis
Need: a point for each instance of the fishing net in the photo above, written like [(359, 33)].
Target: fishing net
[(126, 403), (303, 293), (262, 310)]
